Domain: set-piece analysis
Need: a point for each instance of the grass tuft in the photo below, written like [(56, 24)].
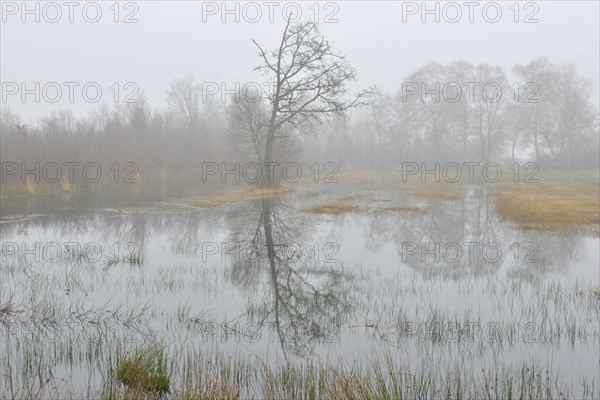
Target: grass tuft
[(146, 369)]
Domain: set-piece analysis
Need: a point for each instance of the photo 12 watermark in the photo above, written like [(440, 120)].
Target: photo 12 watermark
[(69, 252), (70, 172), (270, 11), (469, 171), (452, 12), (226, 92), (471, 92), (251, 252), (56, 12), (254, 172), (468, 252), (71, 92)]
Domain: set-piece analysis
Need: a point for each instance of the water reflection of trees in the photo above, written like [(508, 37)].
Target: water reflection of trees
[(302, 298), (305, 299), (182, 231), (471, 221)]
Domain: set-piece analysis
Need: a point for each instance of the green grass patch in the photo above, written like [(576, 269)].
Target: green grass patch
[(145, 369)]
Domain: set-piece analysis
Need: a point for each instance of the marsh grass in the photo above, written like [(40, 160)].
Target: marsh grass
[(111, 260), (232, 196), (146, 368), (332, 209), (433, 191), (354, 175), (557, 202), (214, 376), (7, 308), (559, 199), (388, 380), (563, 313), (202, 372), (66, 186), (30, 187), (135, 258), (78, 254), (405, 209), (547, 207), (354, 197), (593, 293)]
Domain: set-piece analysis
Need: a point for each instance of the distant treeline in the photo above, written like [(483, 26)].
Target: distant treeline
[(442, 112)]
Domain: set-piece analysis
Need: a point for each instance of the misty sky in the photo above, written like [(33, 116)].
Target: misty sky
[(171, 40)]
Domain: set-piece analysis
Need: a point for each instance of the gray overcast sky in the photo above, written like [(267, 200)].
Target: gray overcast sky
[(171, 40)]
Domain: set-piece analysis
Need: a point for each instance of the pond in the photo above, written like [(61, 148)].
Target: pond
[(440, 285)]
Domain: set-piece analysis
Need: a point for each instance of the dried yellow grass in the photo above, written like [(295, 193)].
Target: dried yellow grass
[(330, 209)]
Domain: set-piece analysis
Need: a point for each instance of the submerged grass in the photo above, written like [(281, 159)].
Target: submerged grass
[(135, 258), (210, 377), (7, 308), (196, 370), (387, 380)]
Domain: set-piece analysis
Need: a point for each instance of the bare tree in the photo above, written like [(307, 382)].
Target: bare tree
[(309, 78), (384, 116), (571, 111), (462, 110), (489, 108), (246, 127), (560, 113), (539, 73), (432, 113), (247, 122), (517, 126), (184, 100)]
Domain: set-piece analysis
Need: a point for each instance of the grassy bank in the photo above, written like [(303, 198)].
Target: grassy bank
[(559, 199), (212, 376)]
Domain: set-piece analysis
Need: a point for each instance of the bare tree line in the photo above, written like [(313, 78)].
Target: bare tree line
[(547, 115), (558, 129)]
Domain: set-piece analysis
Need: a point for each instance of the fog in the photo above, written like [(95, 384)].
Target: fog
[(64, 73), (170, 42), (299, 200)]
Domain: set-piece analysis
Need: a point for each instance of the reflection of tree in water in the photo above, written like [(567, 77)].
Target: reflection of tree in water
[(305, 300), (124, 233), (469, 219), (187, 231), (248, 234), (469, 223), (552, 252)]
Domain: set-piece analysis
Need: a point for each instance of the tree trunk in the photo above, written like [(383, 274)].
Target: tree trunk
[(536, 144), (268, 178), (514, 144)]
